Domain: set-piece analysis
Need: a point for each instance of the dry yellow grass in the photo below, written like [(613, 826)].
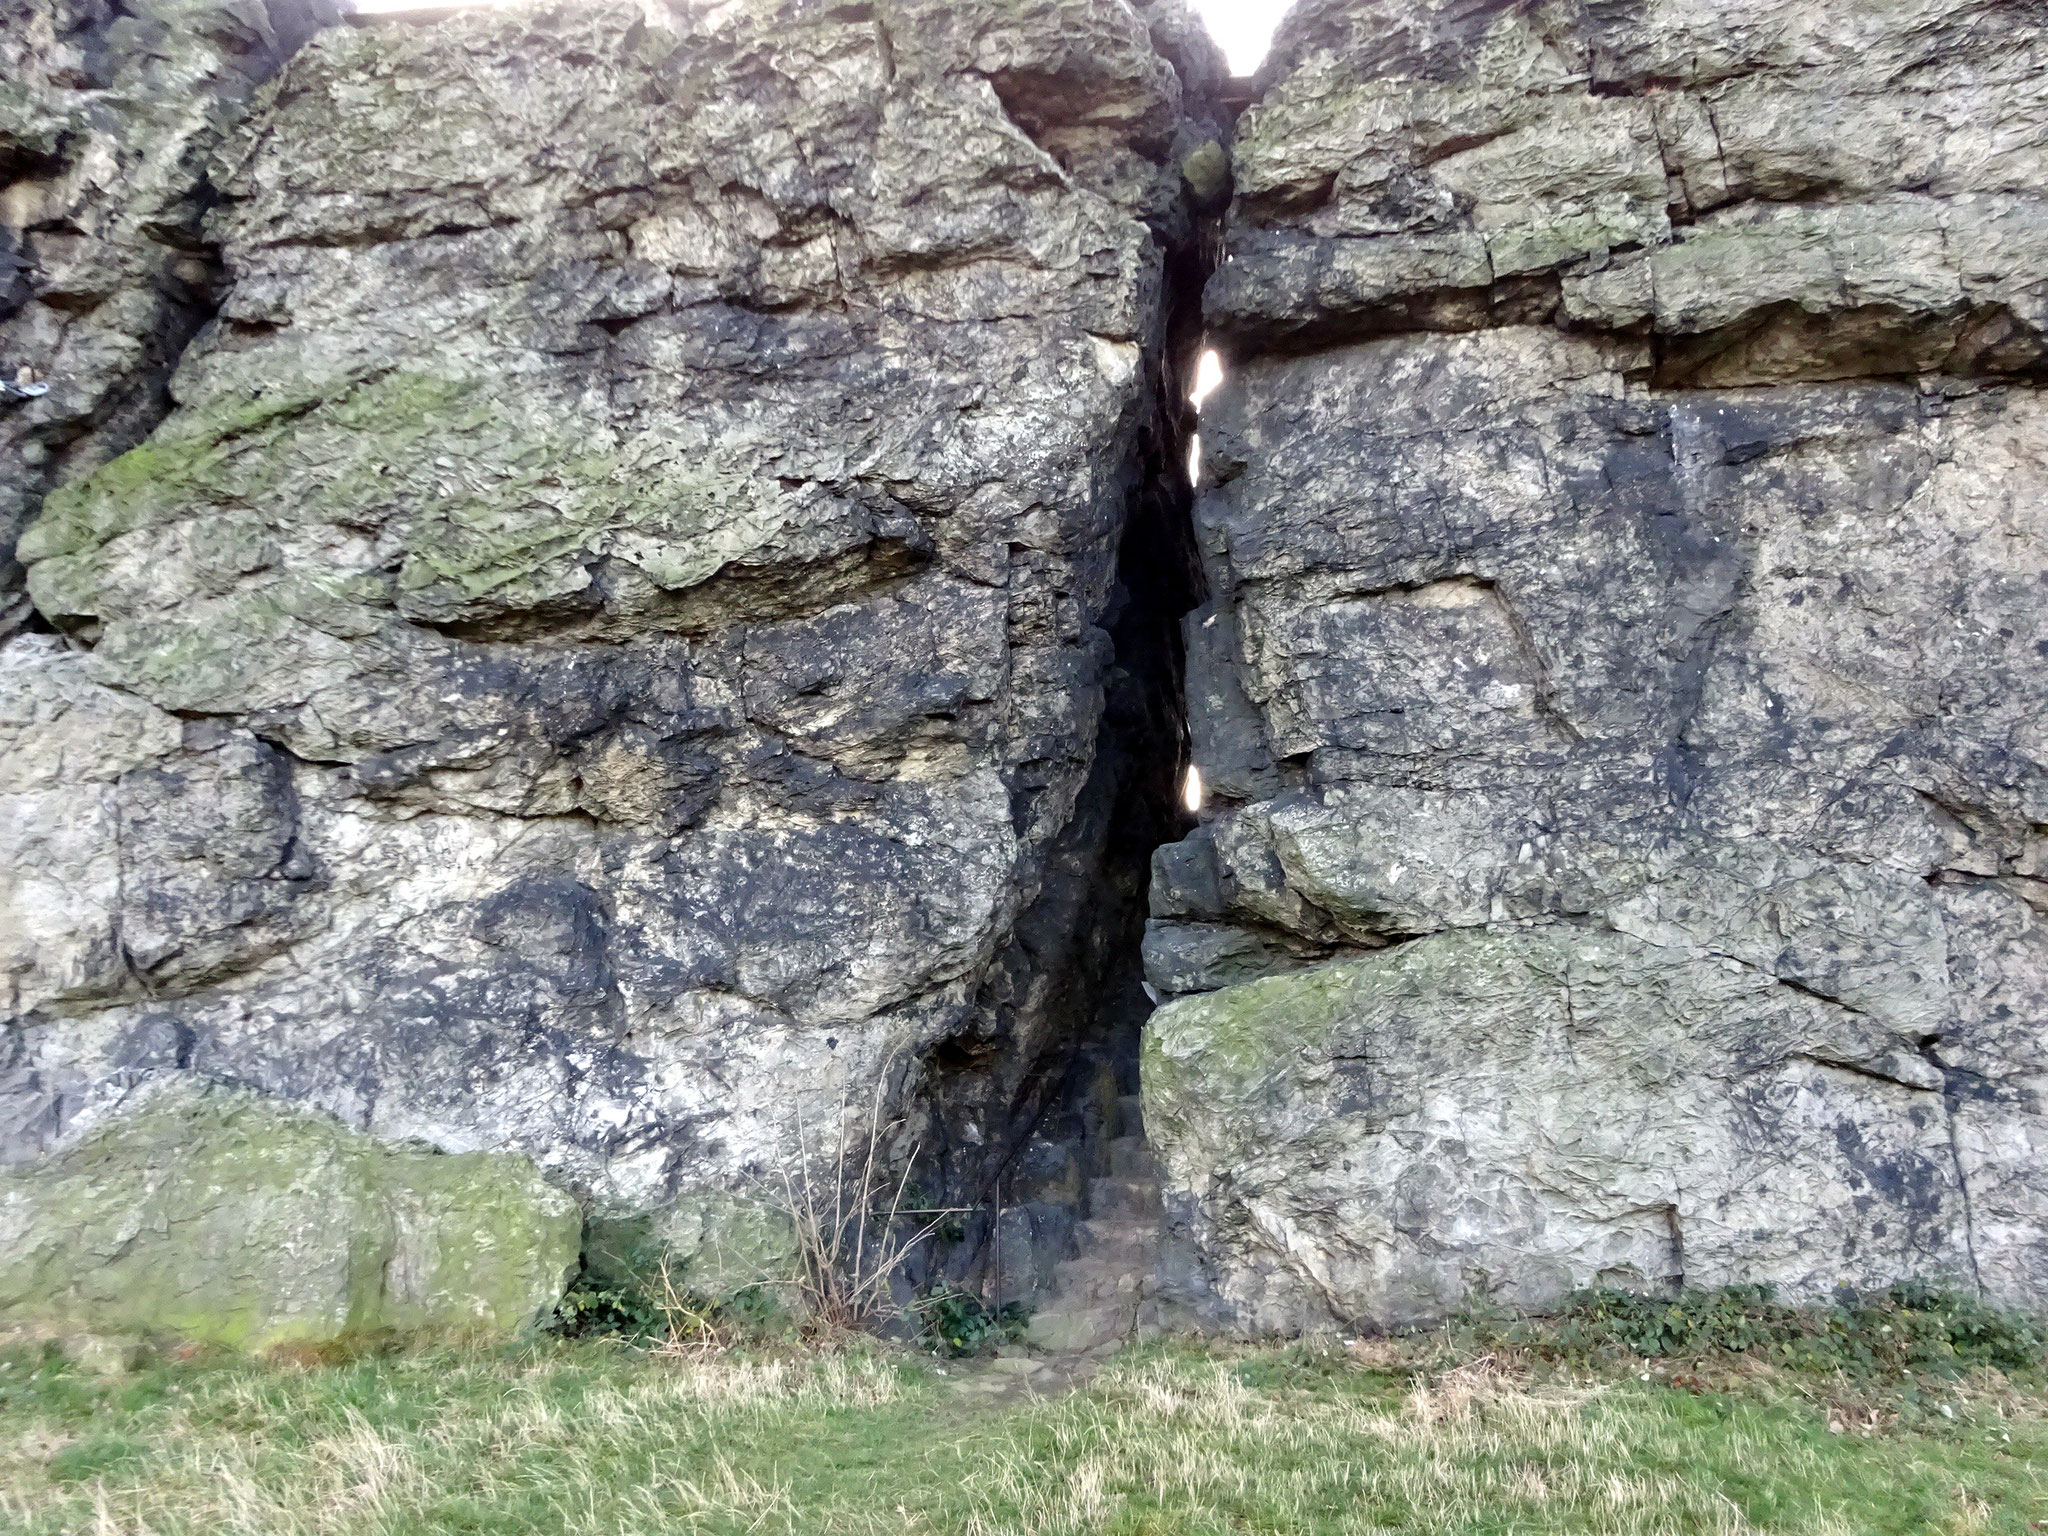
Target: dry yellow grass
[(578, 1441)]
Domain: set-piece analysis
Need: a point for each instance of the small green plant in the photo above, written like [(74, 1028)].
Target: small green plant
[(1912, 1327), (592, 1311), (960, 1323), (658, 1311), (1976, 1332), (1736, 1318)]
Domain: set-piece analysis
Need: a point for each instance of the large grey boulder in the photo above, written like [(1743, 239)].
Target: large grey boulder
[(1622, 692), (620, 651), (220, 1215), (1506, 1115)]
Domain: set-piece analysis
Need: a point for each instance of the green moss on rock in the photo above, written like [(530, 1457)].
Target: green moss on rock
[(495, 503), (226, 1216), (1221, 1068), (1235, 1042)]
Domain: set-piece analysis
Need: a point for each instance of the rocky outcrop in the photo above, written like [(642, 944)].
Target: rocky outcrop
[(620, 652), (221, 1215), (109, 112), (1822, 192), (1622, 688), (650, 638)]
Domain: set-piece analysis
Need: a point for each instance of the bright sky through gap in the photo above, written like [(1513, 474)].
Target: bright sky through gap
[(1242, 28)]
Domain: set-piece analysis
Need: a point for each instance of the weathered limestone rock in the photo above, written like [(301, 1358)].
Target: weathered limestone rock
[(109, 110), (713, 1244), (651, 628), (1628, 858), (1546, 1109), (1777, 192), (620, 651), (221, 1215)]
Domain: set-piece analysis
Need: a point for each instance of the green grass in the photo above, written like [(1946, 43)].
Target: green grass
[(572, 1437)]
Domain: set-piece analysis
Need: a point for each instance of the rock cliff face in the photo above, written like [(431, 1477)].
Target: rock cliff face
[(649, 617), (1623, 680), (620, 652), (109, 110)]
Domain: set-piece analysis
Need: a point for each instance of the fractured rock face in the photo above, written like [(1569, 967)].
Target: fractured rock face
[(109, 112), (1776, 191), (1628, 857), (610, 652), (1527, 1105), (651, 624)]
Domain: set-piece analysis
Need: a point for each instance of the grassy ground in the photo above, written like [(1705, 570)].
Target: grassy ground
[(1419, 1437)]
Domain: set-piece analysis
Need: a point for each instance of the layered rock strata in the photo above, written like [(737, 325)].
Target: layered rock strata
[(619, 652), (1622, 691)]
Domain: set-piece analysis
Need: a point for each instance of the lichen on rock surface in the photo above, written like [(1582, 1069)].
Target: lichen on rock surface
[(1528, 1105), (221, 1215), (1620, 692), (109, 113), (620, 652), (1775, 192)]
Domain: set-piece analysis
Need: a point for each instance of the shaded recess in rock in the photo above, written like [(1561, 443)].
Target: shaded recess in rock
[(1028, 1104)]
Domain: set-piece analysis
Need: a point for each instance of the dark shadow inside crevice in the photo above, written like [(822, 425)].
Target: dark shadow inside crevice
[(1022, 1105)]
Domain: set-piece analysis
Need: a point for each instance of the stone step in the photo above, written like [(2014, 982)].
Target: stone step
[(1098, 1296), (1074, 1329), (1124, 1197), (1090, 1281), (1130, 1115), (1130, 1157), (1117, 1239)]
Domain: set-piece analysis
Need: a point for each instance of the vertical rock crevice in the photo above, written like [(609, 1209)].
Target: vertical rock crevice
[(1023, 1109)]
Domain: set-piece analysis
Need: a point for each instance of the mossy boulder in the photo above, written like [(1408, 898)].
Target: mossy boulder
[(223, 1215), (1504, 1116)]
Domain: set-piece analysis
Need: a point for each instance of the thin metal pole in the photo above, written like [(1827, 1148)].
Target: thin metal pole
[(997, 1305)]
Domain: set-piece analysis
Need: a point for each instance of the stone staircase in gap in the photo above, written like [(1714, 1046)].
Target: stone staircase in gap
[(1099, 1300)]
